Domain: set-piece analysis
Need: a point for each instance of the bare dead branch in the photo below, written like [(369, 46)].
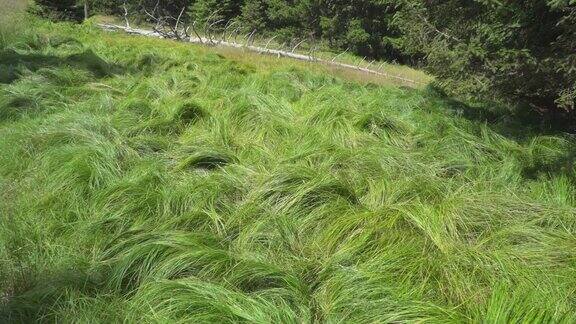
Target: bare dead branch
[(126, 14), (151, 15), (437, 30), (212, 15), (196, 32), (362, 61), (338, 55), (246, 36), (296, 46), (229, 24), (281, 48), (207, 25), (250, 38), (208, 33), (235, 33), (311, 52), (179, 17), (269, 40), (215, 23)]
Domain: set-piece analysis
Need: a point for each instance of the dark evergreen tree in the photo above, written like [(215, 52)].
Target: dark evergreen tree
[(225, 10), (518, 52)]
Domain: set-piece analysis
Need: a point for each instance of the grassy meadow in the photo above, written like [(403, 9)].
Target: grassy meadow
[(148, 181)]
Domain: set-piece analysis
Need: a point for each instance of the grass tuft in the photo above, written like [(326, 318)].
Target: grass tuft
[(208, 160)]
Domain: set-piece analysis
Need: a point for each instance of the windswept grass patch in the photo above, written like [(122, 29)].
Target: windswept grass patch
[(144, 180)]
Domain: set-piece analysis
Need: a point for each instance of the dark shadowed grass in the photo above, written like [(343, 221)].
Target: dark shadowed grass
[(144, 180)]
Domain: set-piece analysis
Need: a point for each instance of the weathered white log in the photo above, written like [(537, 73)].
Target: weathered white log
[(276, 52)]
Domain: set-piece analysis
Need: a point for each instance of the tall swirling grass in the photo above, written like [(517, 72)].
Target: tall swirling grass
[(150, 181)]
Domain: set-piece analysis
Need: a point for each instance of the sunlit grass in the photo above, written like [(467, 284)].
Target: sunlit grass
[(144, 180), (12, 6), (390, 73), (10, 20)]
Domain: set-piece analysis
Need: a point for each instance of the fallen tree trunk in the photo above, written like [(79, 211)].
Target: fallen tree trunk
[(261, 50)]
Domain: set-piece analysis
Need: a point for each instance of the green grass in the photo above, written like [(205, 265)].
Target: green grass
[(144, 180), (396, 74), (10, 29)]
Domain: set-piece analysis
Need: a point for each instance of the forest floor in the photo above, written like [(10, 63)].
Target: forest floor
[(146, 180)]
